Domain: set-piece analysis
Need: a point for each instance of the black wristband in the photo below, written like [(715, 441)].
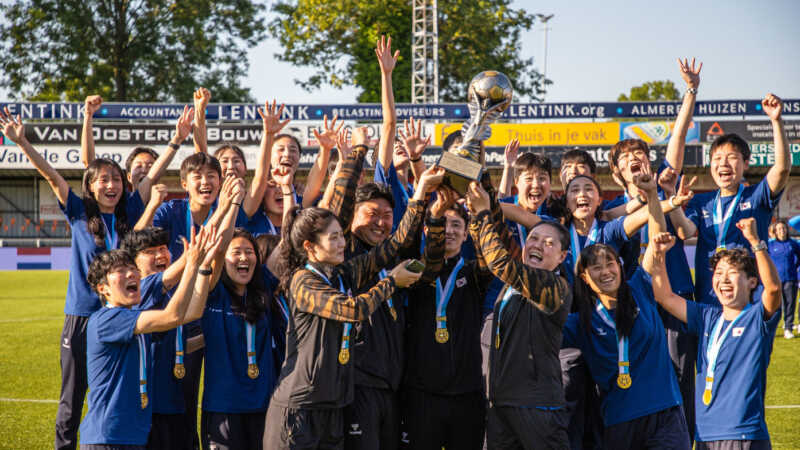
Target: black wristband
[(366, 149), (174, 146), (205, 272), (416, 160)]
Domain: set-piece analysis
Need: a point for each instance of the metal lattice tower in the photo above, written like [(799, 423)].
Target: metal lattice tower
[(425, 52)]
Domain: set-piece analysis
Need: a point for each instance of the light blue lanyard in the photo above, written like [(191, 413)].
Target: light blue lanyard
[(712, 350), (347, 325), (142, 369), (575, 243), (509, 292), (724, 222), (443, 295), (111, 234), (190, 221), (284, 307), (383, 275), (179, 367), (623, 360)]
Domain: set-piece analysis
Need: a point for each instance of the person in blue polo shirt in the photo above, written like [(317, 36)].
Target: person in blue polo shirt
[(785, 253), (619, 331), (713, 213), (118, 339), (736, 340)]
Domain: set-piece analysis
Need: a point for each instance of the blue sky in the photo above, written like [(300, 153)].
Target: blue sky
[(599, 49)]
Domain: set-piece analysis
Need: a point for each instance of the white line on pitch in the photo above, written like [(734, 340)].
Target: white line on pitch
[(26, 400), (30, 319)]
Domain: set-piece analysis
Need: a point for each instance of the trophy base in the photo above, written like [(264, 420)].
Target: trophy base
[(460, 171)]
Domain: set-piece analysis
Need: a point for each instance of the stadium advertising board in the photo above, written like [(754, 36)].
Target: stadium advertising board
[(751, 131)]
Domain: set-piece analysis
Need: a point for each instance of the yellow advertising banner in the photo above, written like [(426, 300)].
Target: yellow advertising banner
[(543, 134)]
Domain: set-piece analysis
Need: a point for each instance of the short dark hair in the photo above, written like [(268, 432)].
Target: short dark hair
[(563, 234), (737, 257), (734, 140), (626, 145), (137, 241), (581, 157), (136, 152), (461, 211), (528, 161), (372, 191), (451, 140), (196, 162), (104, 263)]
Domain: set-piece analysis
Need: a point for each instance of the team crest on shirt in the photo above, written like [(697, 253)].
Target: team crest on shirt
[(736, 332), (745, 206), (705, 214), (461, 282), (355, 430), (600, 331)]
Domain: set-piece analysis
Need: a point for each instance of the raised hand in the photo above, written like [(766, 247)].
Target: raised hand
[(414, 143), (430, 179), (343, 145), (211, 245), (667, 180), (158, 192), (402, 276), (383, 50), (772, 106), (477, 198), (201, 98), (184, 125), (689, 73), (92, 104), (645, 182), (685, 192), (749, 230), (237, 191), (271, 117), (327, 139), (510, 153), (360, 136), (662, 243), (12, 127), (445, 198), (283, 175)]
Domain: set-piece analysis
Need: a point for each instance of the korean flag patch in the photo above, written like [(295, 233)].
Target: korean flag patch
[(745, 206), (736, 332)]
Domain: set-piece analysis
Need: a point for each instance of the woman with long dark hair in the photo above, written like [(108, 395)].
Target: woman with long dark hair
[(620, 333), (316, 381)]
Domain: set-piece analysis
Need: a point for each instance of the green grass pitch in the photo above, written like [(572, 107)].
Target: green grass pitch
[(32, 302)]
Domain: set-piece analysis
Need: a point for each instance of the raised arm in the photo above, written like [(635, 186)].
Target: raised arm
[(91, 105), (509, 158), (14, 129), (387, 61), (655, 257), (327, 141), (342, 201), (182, 130), (778, 175), (677, 142), (226, 229), (771, 298), (197, 303), (415, 146), (433, 254), (157, 195), (646, 183), (201, 98), (543, 288), (684, 228), (174, 313), (271, 126), (656, 222)]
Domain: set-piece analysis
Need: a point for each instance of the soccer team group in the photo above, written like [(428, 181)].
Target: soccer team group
[(398, 313)]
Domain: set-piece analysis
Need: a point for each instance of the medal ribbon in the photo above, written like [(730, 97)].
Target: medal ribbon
[(347, 325), (575, 243), (623, 361), (712, 351), (111, 233), (179, 346), (443, 295), (724, 222), (509, 292), (190, 221), (142, 369), (284, 307), (270, 227), (250, 331)]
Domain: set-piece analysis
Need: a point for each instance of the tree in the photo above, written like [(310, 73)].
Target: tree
[(652, 91), (127, 50), (337, 39)]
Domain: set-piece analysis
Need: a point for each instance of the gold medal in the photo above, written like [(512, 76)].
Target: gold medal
[(442, 335), (144, 400), (344, 356), (707, 397), (497, 341), (252, 371), (624, 381), (719, 249), (179, 371), (393, 312)]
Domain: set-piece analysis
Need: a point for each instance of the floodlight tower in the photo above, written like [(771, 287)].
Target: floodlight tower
[(425, 52)]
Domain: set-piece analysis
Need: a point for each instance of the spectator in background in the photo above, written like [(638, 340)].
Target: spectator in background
[(785, 253)]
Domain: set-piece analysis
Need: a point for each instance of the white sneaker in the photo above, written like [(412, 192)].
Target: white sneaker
[(788, 334), (797, 328)]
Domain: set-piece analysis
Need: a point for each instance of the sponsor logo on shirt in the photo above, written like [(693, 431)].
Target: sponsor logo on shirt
[(461, 282), (600, 331), (744, 206), (736, 332), (354, 429), (705, 214)]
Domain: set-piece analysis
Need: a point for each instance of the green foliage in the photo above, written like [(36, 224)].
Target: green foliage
[(337, 40), (652, 91), (127, 50)]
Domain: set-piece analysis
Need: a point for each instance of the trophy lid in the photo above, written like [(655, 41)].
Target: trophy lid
[(489, 89)]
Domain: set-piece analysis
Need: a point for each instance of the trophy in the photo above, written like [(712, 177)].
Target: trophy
[(489, 95)]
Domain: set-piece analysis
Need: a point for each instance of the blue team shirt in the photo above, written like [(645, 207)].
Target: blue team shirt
[(756, 201), (736, 411), (167, 391), (81, 299), (402, 193), (611, 233), (115, 414), (786, 255), (226, 386), (654, 386), (171, 216)]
